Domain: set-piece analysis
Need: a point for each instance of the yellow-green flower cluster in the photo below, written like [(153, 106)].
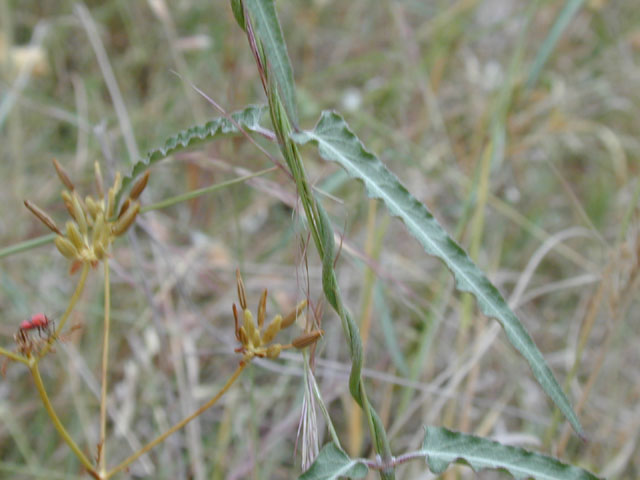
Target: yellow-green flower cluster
[(255, 340), (94, 225)]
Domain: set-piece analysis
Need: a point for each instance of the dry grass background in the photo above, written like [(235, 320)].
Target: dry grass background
[(424, 84)]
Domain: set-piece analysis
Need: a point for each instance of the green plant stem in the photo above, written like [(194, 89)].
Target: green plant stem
[(65, 315), (35, 372), (161, 438), (322, 234), (27, 245), (105, 362), (16, 357), (201, 191)]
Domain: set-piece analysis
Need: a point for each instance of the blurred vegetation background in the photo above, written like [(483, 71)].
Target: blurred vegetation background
[(530, 160)]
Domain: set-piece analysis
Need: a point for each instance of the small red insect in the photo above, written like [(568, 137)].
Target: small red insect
[(39, 322)]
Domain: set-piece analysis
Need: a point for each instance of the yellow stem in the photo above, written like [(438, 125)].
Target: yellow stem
[(16, 357), (65, 315), (178, 425), (56, 421), (105, 361)]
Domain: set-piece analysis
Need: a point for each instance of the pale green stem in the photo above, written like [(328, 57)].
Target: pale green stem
[(33, 366), (105, 363), (201, 191), (27, 245), (65, 315), (161, 438)]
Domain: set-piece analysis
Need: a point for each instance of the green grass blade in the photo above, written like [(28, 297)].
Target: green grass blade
[(267, 27), (332, 463), (570, 8), (388, 332), (442, 446), (338, 144), (247, 118)]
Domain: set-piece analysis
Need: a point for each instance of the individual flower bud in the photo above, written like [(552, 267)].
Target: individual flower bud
[(78, 213), (99, 181), (98, 229), (124, 222), (42, 216), (272, 330), (117, 183), (235, 321), (111, 201), (262, 308), (241, 292), (307, 339), (255, 339), (64, 178), (66, 248), (242, 334), (139, 186), (249, 325), (294, 314), (92, 207), (274, 350), (68, 203), (125, 206), (73, 234)]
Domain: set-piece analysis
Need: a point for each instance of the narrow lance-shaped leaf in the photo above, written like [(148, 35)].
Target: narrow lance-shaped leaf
[(266, 24), (332, 463), (442, 446), (563, 19), (248, 118), (338, 144)]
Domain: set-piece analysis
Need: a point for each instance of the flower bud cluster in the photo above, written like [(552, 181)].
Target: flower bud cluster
[(255, 340), (94, 224)]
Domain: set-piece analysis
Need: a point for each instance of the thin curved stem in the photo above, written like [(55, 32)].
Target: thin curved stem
[(201, 191), (27, 245), (161, 438), (65, 315), (105, 362), (16, 357), (35, 372)]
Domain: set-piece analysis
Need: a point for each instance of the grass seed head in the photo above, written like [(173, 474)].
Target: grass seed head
[(307, 339), (123, 223), (272, 330), (99, 180), (242, 296), (65, 247), (294, 314), (42, 216), (139, 187), (64, 178), (78, 213), (74, 235), (262, 308)]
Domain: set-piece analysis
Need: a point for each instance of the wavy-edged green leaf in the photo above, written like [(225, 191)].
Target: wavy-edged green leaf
[(338, 144), (248, 118), (332, 463), (267, 27), (442, 446), (570, 8)]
